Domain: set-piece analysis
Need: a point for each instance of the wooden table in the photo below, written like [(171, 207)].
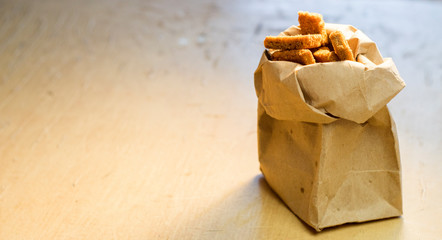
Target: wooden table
[(137, 119)]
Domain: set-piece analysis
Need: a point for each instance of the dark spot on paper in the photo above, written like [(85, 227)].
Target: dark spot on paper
[(106, 175), (338, 209), (316, 163), (302, 190), (291, 131)]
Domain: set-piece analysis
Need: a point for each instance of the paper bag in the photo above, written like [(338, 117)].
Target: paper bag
[(327, 143)]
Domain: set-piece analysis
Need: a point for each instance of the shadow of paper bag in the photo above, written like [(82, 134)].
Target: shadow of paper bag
[(327, 143)]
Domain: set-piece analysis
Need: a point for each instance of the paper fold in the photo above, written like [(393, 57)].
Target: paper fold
[(327, 143), (322, 92)]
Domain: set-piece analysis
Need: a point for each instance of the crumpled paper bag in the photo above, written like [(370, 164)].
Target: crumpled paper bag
[(326, 141)]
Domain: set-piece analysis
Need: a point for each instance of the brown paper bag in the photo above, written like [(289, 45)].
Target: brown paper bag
[(327, 143)]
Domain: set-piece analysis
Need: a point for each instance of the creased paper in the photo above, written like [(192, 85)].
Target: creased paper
[(326, 140)]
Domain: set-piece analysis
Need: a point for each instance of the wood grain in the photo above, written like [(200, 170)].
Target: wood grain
[(137, 119)]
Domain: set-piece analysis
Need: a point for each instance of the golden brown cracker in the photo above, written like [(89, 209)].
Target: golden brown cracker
[(341, 47), (312, 23), (293, 42), (303, 56), (323, 54)]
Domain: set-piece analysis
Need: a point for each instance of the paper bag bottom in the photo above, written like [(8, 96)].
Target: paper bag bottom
[(331, 174)]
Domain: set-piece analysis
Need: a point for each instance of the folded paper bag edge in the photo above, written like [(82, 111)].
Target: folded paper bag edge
[(382, 77), (279, 93), (360, 102)]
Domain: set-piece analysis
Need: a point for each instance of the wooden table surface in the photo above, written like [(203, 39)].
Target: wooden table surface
[(137, 119)]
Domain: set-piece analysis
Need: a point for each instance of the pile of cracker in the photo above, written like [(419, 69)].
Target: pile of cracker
[(312, 45)]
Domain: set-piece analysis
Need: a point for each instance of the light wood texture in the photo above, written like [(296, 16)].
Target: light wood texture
[(137, 119)]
